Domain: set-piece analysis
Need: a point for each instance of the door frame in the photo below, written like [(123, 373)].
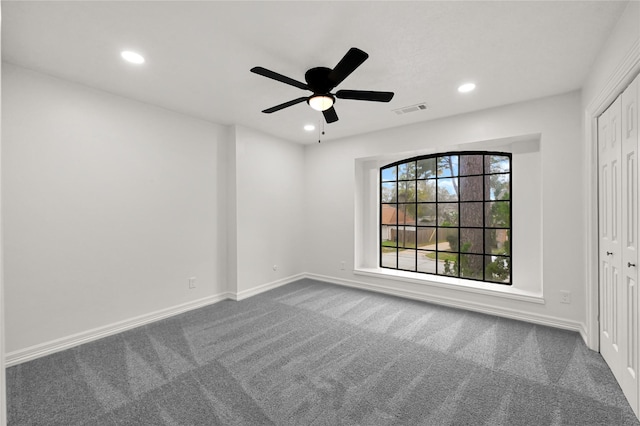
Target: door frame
[(624, 74)]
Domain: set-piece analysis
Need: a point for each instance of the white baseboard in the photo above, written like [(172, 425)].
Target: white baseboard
[(266, 287), (47, 348), (456, 303), (584, 333)]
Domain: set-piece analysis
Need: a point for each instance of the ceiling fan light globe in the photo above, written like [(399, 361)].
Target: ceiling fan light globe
[(321, 102)]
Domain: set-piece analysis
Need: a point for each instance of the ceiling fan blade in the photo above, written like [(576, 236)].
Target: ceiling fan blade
[(330, 115), (352, 60), (284, 105), (279, 77), (364, 95)]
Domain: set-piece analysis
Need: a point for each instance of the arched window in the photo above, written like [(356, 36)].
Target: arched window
[(448, 214)]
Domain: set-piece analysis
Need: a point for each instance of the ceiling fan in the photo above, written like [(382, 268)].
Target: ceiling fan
[(321, 81)]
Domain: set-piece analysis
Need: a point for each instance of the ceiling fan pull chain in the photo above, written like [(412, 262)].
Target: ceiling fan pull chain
[(320, 130)]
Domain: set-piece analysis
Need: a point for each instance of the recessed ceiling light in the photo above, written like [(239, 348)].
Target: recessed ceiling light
[(133, 57), (467, 87), (309, 127)]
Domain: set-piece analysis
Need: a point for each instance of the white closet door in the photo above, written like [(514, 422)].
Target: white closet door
[(629, 289), (610, 217)]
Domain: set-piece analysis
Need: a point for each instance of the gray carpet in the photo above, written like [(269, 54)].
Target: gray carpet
[(316, 354)]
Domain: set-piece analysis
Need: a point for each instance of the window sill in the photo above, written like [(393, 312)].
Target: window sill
[(457, 284)]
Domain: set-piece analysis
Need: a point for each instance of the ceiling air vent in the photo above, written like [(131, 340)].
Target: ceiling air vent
[(410, 108)]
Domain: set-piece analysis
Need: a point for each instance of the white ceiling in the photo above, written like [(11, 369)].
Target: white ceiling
[(198, 54)]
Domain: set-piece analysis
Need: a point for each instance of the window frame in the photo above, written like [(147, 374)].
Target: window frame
[(437, 226)]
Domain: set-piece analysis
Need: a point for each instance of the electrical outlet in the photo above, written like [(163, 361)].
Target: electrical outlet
[(192, 282), (343, 265), (565, 297)]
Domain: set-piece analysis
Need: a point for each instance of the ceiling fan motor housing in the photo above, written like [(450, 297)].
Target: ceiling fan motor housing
[(318, 80)]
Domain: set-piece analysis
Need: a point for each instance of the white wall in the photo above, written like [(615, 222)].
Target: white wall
[(231, 214), (109, 205), (3, 393), (269, 198), (624, 38), (331, 215)]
